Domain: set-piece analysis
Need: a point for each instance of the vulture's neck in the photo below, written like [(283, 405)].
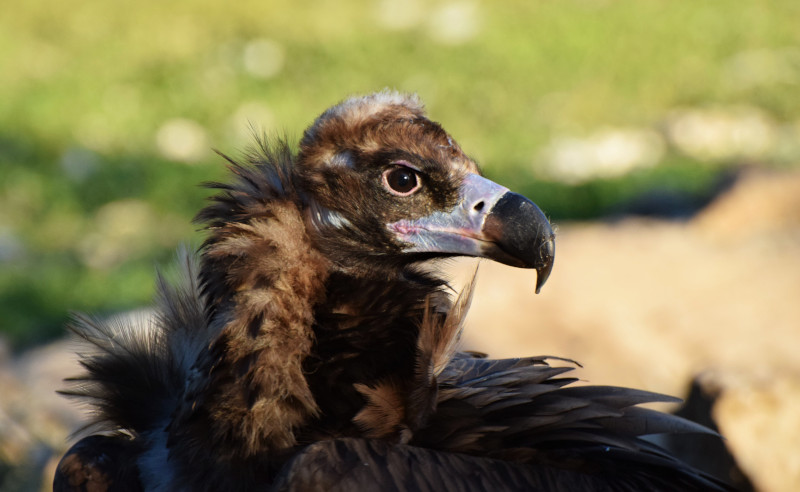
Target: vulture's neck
[(365, 369), (306, 348), (271, 278)]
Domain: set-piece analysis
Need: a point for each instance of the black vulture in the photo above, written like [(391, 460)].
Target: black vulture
[(310, 346)]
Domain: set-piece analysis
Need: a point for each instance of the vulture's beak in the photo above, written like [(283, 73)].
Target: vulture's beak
[(490, 222)]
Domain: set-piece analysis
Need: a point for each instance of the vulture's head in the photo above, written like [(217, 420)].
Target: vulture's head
[(386, 185)]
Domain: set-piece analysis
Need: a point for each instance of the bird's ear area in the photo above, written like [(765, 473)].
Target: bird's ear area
[(342, 159), (345, 207)]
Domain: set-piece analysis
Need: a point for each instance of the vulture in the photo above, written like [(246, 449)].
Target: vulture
[(311, 342)]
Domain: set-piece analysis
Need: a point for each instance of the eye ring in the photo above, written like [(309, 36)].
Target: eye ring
[(401, 180)]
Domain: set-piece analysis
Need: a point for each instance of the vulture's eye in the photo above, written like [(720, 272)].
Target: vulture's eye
[(401, 180)]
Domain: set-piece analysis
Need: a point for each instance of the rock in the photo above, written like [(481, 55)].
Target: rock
[(706, 452), (758, 415), (761, 204), (34, 421)]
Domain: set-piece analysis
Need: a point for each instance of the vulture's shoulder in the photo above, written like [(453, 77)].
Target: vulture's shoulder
[(99, 464), (361, 464)]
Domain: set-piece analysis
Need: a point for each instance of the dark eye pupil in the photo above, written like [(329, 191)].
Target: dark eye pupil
[(402, 180)]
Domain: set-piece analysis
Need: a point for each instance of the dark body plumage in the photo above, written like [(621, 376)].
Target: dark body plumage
[(310, 349)]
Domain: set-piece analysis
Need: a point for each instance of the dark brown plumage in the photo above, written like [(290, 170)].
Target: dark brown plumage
[(311, 350)]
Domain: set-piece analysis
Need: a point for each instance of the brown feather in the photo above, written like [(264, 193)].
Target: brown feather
[(274, 279), (383, 416), (438, 341)]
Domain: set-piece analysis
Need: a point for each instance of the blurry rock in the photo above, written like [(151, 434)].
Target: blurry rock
[(706, 452), (608, 153), (34, 421), (722, 133), (41, 371), (758, 416), (664, 203), (759, 203)]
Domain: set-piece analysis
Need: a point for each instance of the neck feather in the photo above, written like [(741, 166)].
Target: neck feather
[(257, 394)]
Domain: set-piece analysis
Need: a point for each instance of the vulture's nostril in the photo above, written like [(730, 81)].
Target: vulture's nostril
[(479, 206)]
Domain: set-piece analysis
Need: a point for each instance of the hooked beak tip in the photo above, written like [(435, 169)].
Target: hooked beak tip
[(547, 252), (521, 235)]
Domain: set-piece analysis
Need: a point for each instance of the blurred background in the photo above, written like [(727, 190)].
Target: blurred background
[(663, 138)]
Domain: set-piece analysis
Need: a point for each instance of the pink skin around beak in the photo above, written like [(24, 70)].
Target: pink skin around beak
[(489, 222)]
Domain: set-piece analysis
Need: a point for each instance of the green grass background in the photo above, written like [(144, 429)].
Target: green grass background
[(85, 87)]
